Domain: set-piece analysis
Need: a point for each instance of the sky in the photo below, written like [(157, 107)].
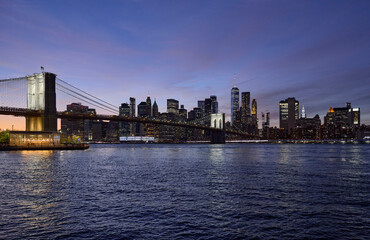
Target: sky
[(315, 51)]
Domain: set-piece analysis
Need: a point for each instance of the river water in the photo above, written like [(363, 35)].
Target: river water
[(231, 191)]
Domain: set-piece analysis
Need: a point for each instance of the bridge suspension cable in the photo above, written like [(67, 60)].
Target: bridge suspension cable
[(109, 110), (86, 92), (89, 99), (79, 94), (13, 79)]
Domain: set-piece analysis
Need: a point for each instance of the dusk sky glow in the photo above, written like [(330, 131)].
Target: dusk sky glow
[(315, 51)]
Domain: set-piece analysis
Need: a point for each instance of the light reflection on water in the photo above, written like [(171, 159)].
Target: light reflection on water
[(187, 191)]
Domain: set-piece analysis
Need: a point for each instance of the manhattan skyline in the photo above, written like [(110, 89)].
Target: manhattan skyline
[(317, 52)]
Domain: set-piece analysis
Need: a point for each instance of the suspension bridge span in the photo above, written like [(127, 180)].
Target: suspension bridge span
[(41, 112)]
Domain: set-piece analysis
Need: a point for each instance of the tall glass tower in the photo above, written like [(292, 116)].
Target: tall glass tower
[(234, 102)]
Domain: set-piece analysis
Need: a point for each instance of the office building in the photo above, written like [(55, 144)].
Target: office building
[(214, 104), (234, 102), (254, 127), (207, 106), (245, 106), (132, 114), (149, 106), (77, 127), (155, 109), (142, 110), (289, 113), (201, 105), (124, 127), (183, 113), (172, 106)]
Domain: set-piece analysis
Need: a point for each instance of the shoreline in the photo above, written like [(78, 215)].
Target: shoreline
[(37, 148)]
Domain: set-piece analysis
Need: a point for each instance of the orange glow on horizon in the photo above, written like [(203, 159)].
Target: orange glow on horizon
[(16, 123)]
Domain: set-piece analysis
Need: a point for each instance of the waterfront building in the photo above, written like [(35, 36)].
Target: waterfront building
[(111, 131), (307, 128), (289, 113), (77, 127), (341, 122), (172, 106), (124, 127), (234, 102), (33, 139)]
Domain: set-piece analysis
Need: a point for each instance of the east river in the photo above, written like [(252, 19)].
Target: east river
[(231, 191)]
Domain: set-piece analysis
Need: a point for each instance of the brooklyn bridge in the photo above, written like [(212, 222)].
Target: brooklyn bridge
[(39, 107)]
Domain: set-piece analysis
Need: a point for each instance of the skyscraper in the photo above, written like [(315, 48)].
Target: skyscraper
[(132, 107), (289, 113), (183, 112), (124, 127), (155, 109), (254, 116), (142, 110), (132, 114), (172, 106), (234, 102), (267, 123), (201, 105), (214, 104), (149, 106), (246, 106), (303, 114), (207, 106)]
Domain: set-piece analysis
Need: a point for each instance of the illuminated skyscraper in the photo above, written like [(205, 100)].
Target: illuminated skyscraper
[(303, 114), (234, 102), (172, 106), (289, 113), (254, 116), (246, 106)]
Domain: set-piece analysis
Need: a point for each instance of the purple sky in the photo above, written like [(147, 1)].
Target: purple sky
[(316, 51)]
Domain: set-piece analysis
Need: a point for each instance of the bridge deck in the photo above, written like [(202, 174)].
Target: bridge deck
[(66, 115)]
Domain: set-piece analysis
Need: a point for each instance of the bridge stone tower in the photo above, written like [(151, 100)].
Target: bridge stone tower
[(41, 96), (218, 121)]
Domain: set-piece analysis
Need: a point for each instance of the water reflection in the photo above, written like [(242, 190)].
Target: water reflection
[(38, 186), (186, 191)]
